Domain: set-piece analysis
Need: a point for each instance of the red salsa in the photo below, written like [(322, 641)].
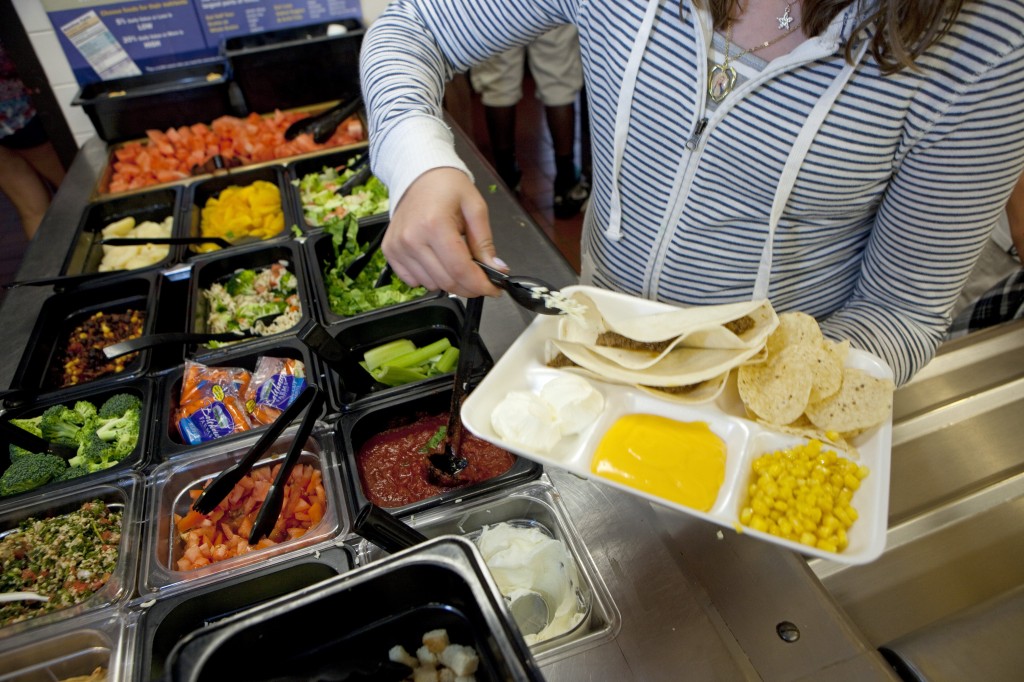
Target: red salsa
[(395, 472)]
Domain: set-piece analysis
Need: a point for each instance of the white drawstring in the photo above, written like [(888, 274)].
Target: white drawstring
[(629, 76), (801, 146)]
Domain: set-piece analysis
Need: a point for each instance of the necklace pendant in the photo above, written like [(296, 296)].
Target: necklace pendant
[(785, 20), (720, 82)]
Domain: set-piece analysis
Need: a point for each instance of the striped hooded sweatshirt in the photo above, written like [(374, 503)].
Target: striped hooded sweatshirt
[(860, 198)]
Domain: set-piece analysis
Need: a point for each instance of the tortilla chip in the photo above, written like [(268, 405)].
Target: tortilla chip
[(862, 402), (777, 390), (795, 328)]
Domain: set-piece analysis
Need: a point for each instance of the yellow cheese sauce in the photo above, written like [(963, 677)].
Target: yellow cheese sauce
[(681, 462)]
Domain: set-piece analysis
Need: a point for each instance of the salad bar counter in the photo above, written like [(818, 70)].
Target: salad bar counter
[(632, 589)]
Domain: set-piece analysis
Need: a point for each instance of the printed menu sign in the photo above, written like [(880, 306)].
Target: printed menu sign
[(113, 39), (105, 39), (223, 19)]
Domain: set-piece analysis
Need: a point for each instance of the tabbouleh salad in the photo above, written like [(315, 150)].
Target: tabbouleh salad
[(67, 558)]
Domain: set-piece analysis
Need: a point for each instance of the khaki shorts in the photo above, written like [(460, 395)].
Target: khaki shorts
[(554, 63)]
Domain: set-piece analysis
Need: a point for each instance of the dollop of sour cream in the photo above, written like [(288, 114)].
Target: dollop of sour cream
[(564, 406)]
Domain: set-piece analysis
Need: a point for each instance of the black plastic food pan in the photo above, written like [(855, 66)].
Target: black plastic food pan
[(135, 460), (320, 255), (83, 588), (315, 165), (164, 622), (200, 193), (220, 269), (121, 303), (417, 409), (294, 67), (350, 386), (87, 253), (438, 584), (169, 442), (125, 108)]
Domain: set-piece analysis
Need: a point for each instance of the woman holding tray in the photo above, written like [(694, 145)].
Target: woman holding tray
[(845, 158)]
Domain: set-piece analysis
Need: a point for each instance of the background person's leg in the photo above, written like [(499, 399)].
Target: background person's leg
[(25, 189), (558, 72), (499, 81)]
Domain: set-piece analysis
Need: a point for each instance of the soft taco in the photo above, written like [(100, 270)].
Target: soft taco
[(681, 354), (639, 342)]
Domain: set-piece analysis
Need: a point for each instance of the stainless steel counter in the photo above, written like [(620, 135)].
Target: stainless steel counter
[(701, 602)]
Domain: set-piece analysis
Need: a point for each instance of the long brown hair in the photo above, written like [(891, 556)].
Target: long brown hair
[(903, 29)]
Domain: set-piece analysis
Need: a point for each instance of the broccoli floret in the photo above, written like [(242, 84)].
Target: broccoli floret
[(61, 425), (242, 282), (30, 425), (119, 403), (17, 452), (70, 473), (30, 472), (121, 433), (94, 454), (86, 410)]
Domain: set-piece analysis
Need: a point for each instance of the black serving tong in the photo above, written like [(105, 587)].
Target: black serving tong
[(61, 281), (270, 509), (323, 125), (385, 530), (224, 483), (315, 336), (363, 259), (361, 174), (173, 241), (445, 466), (524, 290), (33, 443), (116, 350)]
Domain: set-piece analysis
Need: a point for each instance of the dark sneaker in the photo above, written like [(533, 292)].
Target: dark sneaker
[(569, 203)]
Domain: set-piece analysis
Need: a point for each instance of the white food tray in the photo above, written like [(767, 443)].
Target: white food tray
[(523, 367)]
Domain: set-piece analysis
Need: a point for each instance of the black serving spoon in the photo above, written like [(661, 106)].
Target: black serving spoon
[(445, 466)]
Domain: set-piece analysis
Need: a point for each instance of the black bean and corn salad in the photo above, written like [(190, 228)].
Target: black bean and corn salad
[(67, 558)]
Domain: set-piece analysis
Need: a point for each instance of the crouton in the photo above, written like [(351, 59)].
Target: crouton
[(436, 640), (426, 656), (461, 659), (398, 654)]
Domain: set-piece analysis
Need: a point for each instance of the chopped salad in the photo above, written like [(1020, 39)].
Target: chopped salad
[(243, 302), (322, 202)]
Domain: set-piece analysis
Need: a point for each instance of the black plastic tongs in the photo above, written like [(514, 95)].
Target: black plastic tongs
[(224, 483), (322, 125), (33, 443)]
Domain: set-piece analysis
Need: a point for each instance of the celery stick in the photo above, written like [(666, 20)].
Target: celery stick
[(446, 363), (377, 356), (397, 376), (420, 355)]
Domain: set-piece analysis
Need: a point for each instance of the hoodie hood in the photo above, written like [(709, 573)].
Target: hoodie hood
[(827, 44)]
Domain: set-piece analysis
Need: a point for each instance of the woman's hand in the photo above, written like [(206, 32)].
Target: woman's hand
[(436, 230)]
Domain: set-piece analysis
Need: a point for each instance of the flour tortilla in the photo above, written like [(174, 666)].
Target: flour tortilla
[(702, 392), (681, 367), (680, 329)]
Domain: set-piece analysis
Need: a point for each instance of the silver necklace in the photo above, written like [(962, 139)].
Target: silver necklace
[(787, 17)]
